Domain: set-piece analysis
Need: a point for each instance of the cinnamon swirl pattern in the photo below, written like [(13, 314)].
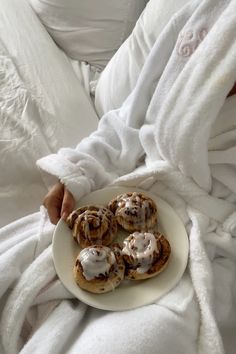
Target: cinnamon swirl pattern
[(99, 269), (134, 211), (145, 254), (142, 255), (92, 224)]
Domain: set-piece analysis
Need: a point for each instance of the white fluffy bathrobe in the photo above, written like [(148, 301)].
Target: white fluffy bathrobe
[(176, 136)]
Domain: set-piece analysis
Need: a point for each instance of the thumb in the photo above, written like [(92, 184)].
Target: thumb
[(68, 204)]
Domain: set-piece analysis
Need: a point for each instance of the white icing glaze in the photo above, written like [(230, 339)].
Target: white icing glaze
[(96, 261), (127, 202), (98, 216), (141, 247)]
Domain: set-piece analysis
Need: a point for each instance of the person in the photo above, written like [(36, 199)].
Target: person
[(60, 202), (163, 130), (179, 126)]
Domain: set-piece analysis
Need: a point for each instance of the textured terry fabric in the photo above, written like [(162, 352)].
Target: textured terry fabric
[(121, 73)]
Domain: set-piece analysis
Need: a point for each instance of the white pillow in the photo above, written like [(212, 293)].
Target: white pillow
[(119, 77), (89, 30)]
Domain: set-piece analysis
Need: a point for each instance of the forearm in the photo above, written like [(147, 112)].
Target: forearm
[(111, 151)]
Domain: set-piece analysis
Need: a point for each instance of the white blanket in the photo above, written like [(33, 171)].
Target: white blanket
[(190, 163)]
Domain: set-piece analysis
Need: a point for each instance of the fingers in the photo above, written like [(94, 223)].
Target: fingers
[(53, 202), (54, 214), (68, 204), (59, 202)]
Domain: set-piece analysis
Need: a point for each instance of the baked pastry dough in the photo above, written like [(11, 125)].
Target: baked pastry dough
[(99, 269), (134, 211), (92, 224), (145, 254)]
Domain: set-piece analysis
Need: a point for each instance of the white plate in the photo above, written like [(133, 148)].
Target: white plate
[(130, 294)]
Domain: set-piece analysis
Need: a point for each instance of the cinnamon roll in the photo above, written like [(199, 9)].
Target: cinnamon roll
[(92, 224), (145, 254), (99, 269), (134, 211)]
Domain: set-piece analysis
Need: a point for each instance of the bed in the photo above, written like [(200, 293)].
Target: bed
[(53, 91)]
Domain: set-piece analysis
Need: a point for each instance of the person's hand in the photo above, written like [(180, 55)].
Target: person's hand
[(59, 203)]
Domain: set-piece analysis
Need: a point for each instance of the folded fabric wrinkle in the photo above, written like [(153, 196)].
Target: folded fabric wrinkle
[(178, 121)]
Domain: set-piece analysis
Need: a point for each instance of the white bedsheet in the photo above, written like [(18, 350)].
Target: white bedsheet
[(43, 106)]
